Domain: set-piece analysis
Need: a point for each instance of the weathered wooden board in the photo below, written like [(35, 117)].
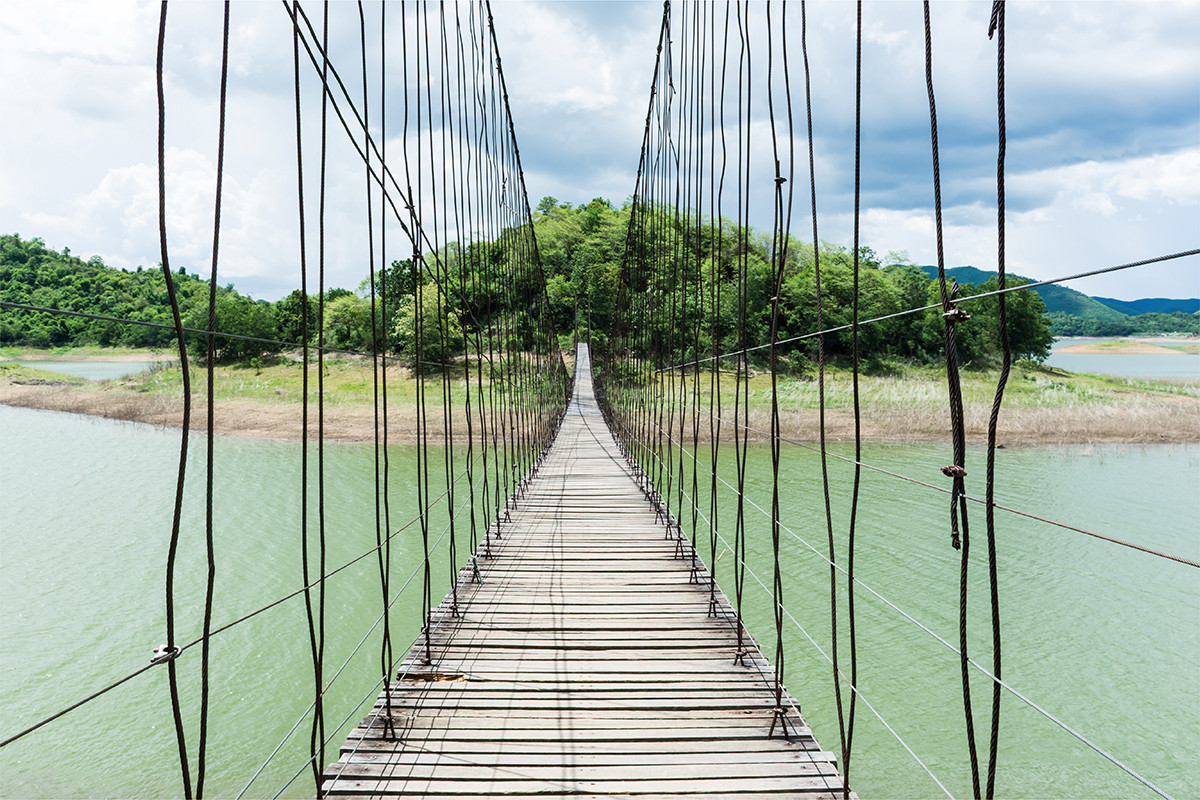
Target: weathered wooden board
[(594, 660)]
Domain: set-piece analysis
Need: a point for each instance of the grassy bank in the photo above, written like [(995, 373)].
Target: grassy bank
[(1042, 405)]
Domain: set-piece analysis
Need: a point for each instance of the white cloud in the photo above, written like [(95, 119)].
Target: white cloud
[(1099, 215), (1104, 102)]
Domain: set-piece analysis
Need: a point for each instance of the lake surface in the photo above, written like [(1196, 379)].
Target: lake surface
[(92, 370), (1103, 637), (1124, 365)]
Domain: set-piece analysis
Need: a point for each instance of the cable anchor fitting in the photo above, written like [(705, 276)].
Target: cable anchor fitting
[(165, 652), (956, 315), (954, 471), (779, 715)]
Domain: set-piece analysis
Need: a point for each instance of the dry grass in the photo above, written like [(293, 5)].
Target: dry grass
[(1042, 406)]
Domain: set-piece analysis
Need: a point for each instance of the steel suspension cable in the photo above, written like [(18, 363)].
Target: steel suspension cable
[(997, 26), (778, 259), (742, 386), (210, 434), (170, 651), (957, 472), (305, 337), (848, 742)]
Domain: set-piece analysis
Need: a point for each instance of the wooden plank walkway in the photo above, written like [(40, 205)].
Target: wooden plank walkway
[(586, 664)]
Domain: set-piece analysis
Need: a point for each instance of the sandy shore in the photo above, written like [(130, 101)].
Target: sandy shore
[(1141, 418), (231, 417)]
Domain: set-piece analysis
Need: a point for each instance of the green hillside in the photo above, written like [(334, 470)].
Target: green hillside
[(1064, 300), (1058, 299), (32, 274)]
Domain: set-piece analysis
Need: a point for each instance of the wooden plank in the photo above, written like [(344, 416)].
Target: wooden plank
[(585, 664), (680, 787), (462, 771), (677, 750), (502, 757)]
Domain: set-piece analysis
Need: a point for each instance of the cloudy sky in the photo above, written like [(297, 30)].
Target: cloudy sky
[(1103, 144)]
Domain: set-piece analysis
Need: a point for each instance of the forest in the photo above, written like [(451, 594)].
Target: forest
[(581, 249)]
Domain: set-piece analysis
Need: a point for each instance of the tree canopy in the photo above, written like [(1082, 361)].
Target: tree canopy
[(582, 251)]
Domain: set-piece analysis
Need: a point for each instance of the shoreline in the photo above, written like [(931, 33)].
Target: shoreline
[(1128, 345), (901, 411), (99, 355)]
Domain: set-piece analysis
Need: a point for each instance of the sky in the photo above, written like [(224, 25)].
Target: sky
[(1103, 138)]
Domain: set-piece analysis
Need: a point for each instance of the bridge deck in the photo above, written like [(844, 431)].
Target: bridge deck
[(585, 664)]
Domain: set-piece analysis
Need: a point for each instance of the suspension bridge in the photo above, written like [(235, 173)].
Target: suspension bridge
[(585, 653), (584, 646)]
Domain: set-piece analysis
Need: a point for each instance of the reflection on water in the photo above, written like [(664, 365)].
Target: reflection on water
[(92, 370), (1124, 365), (1103, 637)]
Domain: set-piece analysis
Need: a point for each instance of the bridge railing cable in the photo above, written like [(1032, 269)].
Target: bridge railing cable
[(852, 686), (991, 676), (386, 673)]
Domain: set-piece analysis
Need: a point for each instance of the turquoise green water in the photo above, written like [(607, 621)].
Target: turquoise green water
[(1125, 365), (1105, 638), (92, 370)]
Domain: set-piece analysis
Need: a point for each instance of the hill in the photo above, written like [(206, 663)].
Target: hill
[(33, 274), (1153, 305), (1058, 299)]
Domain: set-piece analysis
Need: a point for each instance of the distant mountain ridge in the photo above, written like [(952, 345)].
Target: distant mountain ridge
[(1064, 300), (1153, 305)]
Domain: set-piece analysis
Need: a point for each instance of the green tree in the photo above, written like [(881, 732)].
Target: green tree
[(236, 315), (348, 323), (439, 327), (289, 317)]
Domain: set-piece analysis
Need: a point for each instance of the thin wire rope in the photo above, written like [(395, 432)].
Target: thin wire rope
[(442, 311), (317, 630), (742, 399), (778, 249), (853, 687), (983, 670), (218, 334), (305, 353), (960, 538), (833, 616), (1028, 514), (959, 301), (378, 321)]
